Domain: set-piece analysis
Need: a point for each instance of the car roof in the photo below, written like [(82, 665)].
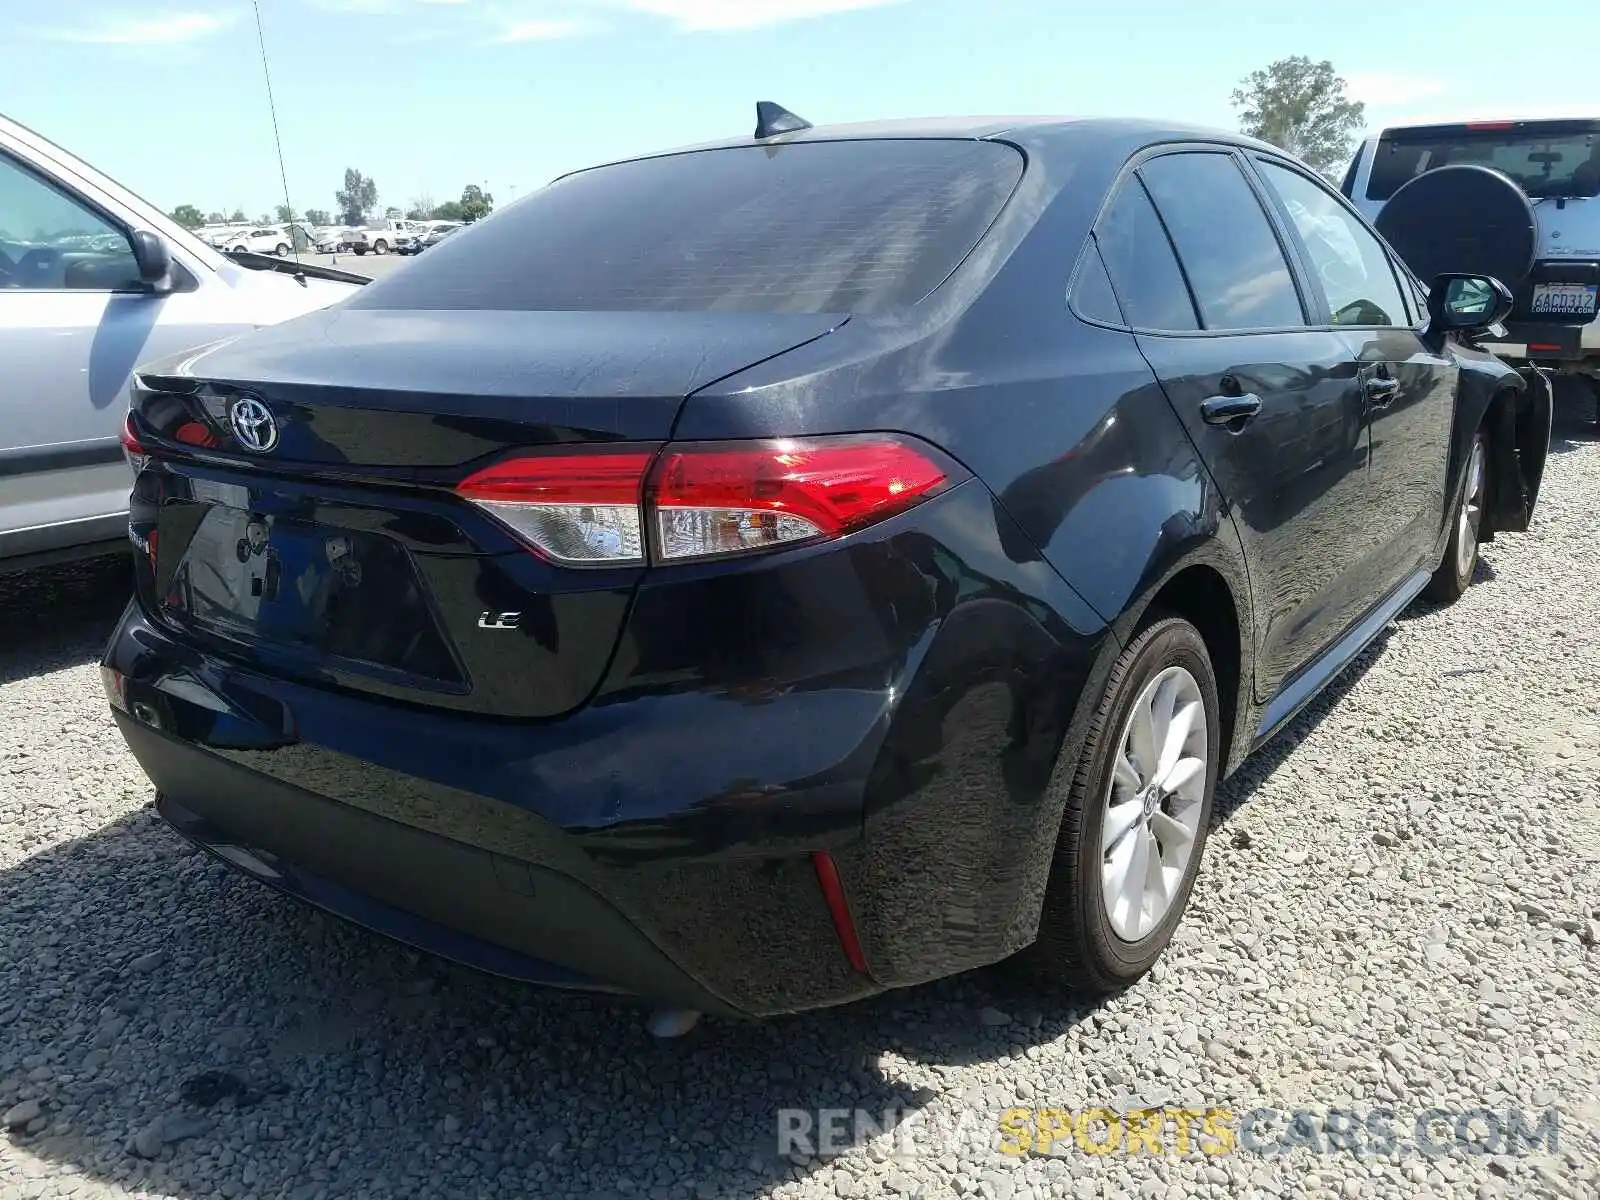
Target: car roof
[(1041, 134)]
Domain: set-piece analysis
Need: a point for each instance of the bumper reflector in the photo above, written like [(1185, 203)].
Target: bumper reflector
[(839, 909)]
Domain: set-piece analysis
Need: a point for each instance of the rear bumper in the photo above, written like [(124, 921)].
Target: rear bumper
[(343, 805), (896, 702), (457, 901), (1554, 342)]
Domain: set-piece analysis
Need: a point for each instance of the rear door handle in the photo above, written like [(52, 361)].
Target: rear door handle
[(1381, 390), (1234, 411)]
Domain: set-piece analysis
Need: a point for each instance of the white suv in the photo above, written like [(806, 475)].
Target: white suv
[(1516, 199), (267, 240)]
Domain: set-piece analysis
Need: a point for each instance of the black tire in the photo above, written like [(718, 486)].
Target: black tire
[(281, 250), (1453, 576), (380, 247), (360, 250), (1077, 945)]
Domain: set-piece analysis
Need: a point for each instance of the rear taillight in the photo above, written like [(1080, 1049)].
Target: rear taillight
[(138, 457), (723, 499), (579, 509), (705, 500)]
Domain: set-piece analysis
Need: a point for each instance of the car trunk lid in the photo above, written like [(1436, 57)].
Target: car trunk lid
[(326, 541)]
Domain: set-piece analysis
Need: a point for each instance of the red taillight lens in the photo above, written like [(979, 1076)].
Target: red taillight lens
[(587, 507), (136, 454), (575, 508), (729, 498)]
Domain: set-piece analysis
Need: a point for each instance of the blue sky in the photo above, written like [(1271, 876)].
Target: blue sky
[(429, 95)]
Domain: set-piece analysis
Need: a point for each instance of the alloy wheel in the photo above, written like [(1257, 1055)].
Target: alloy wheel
[(1154, 803), (1471, 514)]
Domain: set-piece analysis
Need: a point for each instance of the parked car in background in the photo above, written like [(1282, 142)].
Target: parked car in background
[(383, 236), (440, 231), (1519, 199), (93, 279), (266, 239), (331, 240), (429, 234), (218, 236), (828, 562)]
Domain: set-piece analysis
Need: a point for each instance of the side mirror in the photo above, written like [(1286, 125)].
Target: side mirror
[(1468, 303), (153, 259)]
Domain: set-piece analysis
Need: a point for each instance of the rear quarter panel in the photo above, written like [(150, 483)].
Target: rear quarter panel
[(1090, 478)]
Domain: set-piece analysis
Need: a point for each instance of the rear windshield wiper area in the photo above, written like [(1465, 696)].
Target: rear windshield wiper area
[(302, 271)]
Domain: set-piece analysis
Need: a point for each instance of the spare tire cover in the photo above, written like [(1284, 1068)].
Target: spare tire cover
[(1466, 218)]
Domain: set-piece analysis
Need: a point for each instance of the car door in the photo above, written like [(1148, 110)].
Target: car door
[(74, 321), (1272, 404), (1408, 389)]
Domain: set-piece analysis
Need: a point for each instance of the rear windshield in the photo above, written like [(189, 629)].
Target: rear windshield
[(1546, 158), (805, 228)]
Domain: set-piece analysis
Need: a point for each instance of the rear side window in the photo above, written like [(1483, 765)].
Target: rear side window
[(1228, 250), (1143, 269), (805, 228), (1092, 293)]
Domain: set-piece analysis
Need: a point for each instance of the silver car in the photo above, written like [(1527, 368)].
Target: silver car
[(93, 281)]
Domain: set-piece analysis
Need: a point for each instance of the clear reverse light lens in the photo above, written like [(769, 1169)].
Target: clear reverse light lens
[(692, 532), (575, 533), (575, 508)]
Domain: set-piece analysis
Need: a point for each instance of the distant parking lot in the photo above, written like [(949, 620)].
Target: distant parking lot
[(371, 265)]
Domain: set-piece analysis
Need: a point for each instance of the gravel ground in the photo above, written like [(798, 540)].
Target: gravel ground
[(1399, 911)]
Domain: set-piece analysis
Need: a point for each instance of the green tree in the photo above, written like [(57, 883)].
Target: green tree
[(421, 208), (450, 210), (318, 216), (475, 203), (393, 213), (285, 214), (357, 198), (188, 216), (1301, 106), (238, 217), (215, 218)]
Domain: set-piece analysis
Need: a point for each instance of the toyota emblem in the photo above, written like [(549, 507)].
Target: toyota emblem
[(253, 424)]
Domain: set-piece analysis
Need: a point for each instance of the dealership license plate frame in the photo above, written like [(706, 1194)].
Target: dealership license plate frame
[(1584, 299)]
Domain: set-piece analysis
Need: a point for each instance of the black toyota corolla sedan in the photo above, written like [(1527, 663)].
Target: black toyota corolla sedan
[(757, 576)]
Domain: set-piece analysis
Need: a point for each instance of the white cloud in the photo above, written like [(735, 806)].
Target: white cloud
[(542, 30), (161, 29), (1382, 89), (699, 15)]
